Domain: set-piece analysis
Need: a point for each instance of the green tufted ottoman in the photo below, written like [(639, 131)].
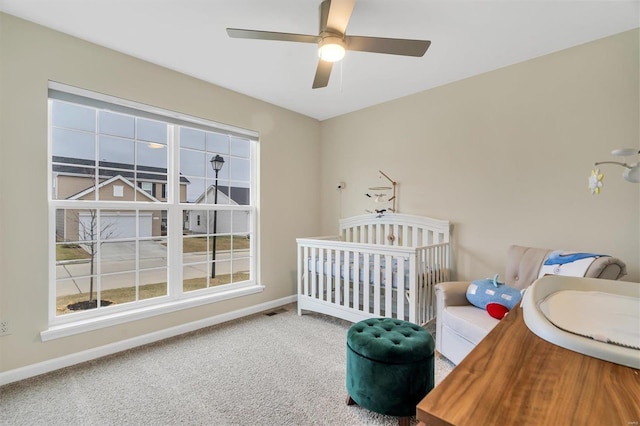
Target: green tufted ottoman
[(390, 366)]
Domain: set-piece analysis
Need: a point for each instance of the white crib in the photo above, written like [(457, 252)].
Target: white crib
[(379, 266)]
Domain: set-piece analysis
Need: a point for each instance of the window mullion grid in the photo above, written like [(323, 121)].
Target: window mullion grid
[(137, 257), (96, 159), (98, 268), (136, 185), (231, 256), (174, 214), (96, 196)]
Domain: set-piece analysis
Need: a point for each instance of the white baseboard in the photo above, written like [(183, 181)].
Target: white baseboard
[(32, 370)]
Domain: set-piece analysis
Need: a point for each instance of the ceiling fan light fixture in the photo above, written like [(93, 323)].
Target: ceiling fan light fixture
[(331, 48)]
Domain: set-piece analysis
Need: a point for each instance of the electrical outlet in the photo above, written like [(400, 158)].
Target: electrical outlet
[(4, 327)]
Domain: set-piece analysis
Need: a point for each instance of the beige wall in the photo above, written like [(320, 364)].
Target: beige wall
[(505, 156), (30, 55)]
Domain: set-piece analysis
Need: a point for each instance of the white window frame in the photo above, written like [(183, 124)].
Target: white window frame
[(176, 299)]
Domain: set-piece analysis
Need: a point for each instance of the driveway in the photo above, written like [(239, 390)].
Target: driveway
[(118, 263), (127, 250)]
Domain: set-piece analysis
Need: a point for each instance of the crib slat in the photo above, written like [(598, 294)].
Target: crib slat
[(413, 301), (414, 237), (388, 285), (365, 283), (447, 261), (304, 268), (396, 240), (376, 284), (347, 274), (321, 262), (421, 284), (336, 277), (328, 275), (400, 289), (356, 280), (302, 273), (431, 272), (314, 273), (434, 277)]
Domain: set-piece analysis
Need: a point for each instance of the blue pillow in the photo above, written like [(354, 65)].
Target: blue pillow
[(482, 292)]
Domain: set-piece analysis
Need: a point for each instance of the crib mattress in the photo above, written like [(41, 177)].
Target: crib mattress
[(329, 267)]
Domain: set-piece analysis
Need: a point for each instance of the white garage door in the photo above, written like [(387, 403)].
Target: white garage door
[(114, 225)]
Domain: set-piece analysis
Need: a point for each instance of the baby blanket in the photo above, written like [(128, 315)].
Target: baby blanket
[(567, 263)]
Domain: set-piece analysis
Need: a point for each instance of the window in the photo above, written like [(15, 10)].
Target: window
[(117, 246), (147, 187)]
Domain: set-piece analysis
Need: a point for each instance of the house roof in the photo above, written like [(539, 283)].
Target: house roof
[(109, 182), (240, 196), (81, 166), (237, 194)]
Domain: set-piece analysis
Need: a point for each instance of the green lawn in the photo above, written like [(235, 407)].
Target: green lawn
[(199, 244), (148, 291), (189, 245), (70, 252)]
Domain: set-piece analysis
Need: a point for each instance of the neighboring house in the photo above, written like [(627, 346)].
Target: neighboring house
[(200, 224), (81, 224), (73, 180)]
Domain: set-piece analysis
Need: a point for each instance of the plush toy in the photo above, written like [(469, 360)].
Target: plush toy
[(497, 310), (493, 296)]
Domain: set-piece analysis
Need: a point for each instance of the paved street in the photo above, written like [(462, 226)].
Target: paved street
[(120, 257)]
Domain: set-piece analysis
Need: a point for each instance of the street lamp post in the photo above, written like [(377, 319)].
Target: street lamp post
[(216, 163)]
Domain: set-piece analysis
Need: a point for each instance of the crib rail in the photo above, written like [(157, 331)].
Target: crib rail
[(395, 229), (434, 265), (355, 281)]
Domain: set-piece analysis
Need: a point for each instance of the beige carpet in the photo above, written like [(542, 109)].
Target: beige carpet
[(277, 369)]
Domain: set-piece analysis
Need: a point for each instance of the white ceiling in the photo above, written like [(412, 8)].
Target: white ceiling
[(468, 38)]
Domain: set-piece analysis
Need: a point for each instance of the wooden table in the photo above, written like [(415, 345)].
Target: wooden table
[(513, 377)]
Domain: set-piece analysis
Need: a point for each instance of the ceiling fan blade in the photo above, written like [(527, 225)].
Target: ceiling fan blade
[(392, 46), (270, 35), (338, 15), (323, 72)]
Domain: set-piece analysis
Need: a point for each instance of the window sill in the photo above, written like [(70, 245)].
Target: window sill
[(83, 326)]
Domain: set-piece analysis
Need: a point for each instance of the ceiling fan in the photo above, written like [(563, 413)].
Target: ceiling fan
[(332, 40)]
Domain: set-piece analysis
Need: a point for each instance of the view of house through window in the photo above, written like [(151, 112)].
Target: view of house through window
[(145, 208)]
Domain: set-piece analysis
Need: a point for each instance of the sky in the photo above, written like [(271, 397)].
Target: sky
[(85, 132)]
